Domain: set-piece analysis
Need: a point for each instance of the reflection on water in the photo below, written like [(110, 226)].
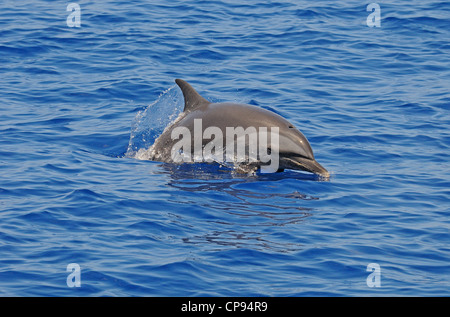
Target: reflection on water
[(220, 240), (188, 173), (243, 210)]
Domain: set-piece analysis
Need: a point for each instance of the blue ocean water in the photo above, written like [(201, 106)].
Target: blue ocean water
[(373, 101)]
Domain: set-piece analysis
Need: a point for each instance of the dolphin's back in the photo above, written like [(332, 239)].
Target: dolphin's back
[(233, 115)]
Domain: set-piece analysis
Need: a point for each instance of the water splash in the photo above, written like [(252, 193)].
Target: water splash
[(150, 123)]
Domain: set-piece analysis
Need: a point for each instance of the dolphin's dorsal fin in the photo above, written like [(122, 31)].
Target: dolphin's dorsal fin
[(192, 99)]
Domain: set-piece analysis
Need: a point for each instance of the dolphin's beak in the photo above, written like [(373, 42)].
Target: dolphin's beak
[(309, 165)]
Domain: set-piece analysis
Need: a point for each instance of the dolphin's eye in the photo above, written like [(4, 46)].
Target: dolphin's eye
[(290, 127)]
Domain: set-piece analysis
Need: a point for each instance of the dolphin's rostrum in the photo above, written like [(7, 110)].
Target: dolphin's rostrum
[(292, 148)]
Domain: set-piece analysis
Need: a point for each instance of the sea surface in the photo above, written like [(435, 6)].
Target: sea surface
[(75, 102)]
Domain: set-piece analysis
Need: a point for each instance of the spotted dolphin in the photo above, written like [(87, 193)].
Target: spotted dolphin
[(292, 147)]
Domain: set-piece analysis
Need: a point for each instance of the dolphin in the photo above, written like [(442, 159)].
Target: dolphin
[(294, 150)]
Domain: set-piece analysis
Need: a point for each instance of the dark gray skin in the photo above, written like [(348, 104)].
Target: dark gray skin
[(294, 149)]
